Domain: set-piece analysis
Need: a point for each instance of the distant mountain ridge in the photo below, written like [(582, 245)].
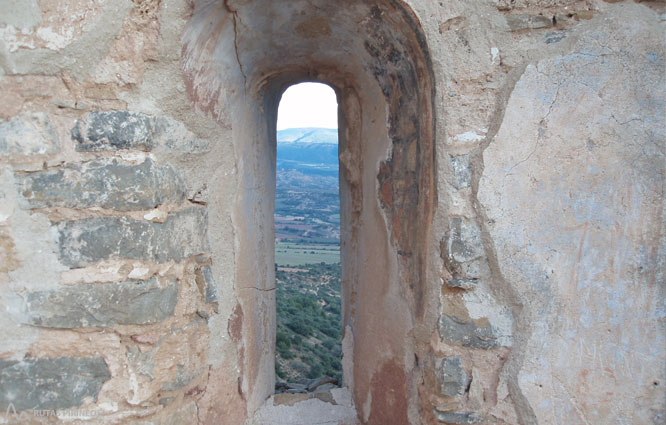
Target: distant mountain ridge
[(307, 182), (312, 151), (308, 135)]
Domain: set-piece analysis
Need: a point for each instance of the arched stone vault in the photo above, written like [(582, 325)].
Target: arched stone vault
[(239, 56)]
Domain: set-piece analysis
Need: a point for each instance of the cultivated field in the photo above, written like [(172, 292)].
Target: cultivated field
[(296, 254)]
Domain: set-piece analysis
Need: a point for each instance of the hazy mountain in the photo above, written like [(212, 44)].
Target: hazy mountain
[(307, 184), (312, 152), (308, 135)]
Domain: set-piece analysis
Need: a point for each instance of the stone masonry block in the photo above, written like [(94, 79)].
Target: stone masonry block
[(457, 418), (122, 130), (105, 183), (211, 288), (108, 304), (462, 283), (528, 22), (84, 242), (207, 287), (451, 376), (113, 130), (464, 242), (28, 134), (57, 383), (468, 333), (462, 173)]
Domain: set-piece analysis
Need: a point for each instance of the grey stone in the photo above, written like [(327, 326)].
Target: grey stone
[(554, 37), (142, 362), (467, 333), (199, 196), (57, 383), (462, 173), (528, 22), (458, 418), (473, 270), (211, 287), (462, 283), (451, 376), (114, 130), (105, 183), (118, 130), (165, 401), (109, 304), (28, 134), (84, 242), (464, 240)]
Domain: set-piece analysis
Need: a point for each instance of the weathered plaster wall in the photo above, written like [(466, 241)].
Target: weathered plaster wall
[(549, 265), (512, 273), (588, 267)]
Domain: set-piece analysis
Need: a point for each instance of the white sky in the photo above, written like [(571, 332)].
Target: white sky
[(308, 105)]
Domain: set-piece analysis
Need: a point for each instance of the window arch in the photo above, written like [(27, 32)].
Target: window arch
[(374, 55)]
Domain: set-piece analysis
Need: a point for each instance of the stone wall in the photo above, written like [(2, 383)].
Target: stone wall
[(504, 234), (107, 281)]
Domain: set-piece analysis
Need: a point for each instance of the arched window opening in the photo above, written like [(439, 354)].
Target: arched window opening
[(308, 355)]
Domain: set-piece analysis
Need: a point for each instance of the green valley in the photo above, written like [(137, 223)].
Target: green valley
[(307, 256)]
